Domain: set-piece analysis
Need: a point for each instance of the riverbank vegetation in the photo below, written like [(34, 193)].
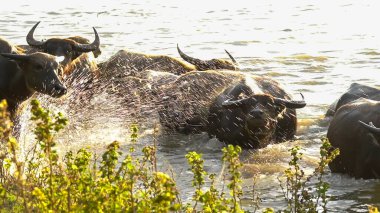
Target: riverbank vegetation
[(41, 180)]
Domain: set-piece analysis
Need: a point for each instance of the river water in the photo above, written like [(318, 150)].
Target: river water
[(315, 47)]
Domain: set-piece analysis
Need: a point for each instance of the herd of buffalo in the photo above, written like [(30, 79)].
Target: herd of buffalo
[(195, 95)]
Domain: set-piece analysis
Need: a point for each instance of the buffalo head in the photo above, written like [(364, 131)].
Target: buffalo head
[(251, 121), (39, 71), (213, 64), (69, 48)]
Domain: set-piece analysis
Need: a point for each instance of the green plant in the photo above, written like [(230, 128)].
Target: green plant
[(231, 157), (79, 182), (300, 194), (43, 181), (210, 198)]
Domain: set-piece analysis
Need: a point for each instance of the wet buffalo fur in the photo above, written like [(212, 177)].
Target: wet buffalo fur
[(84, 62), (128, 63), (184, 105)]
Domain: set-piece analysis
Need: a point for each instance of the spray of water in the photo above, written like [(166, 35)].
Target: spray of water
[(100, 107)]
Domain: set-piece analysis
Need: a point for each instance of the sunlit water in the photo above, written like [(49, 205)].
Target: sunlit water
[(317, 48)]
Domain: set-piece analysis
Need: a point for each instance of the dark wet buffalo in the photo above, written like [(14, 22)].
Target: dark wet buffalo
[(23, 75), (237, 108), (70, 48), (355, 92), (213, 64), (357, 138)]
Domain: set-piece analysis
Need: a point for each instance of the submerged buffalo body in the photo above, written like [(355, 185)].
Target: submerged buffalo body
[(358, 142), (23, 75), (355, 92), (247, 110)]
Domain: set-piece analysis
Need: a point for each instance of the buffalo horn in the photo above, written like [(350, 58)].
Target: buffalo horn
[(89, 47), (15, 56), (30, 38), (290, 104), (231, 57), (370, 127), (191, 60)]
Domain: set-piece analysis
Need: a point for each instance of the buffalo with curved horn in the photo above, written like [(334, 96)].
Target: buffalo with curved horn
[(70, 48), (236, 108), (213, 64)]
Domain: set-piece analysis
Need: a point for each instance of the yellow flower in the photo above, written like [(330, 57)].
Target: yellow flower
[(372, 209)]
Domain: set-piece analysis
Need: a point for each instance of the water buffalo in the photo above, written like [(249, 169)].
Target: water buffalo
[(132, 64), (354, 92), (357, 141), (23, 75), (70, 48), (213, 64), (237, 108)]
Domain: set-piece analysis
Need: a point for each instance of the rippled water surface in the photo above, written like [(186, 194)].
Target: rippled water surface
[(318, 48)]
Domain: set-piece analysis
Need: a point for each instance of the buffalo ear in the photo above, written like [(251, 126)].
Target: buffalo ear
[(16, 57), (290, 103)]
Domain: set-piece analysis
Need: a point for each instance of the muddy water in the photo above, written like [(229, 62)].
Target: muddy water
[(316, 48)]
